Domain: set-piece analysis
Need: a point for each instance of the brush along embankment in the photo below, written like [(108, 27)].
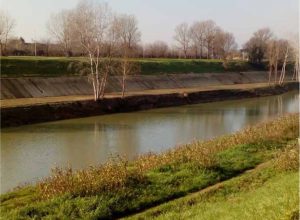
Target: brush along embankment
[(119, 187), (61, 66)]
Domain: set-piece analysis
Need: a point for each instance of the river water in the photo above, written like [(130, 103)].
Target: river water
[(29, 152)]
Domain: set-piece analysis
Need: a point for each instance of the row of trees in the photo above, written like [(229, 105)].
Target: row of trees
[(200, 40), (204, 39), (264, 46)]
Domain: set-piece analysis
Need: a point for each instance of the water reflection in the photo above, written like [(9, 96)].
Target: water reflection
[(29, 152)]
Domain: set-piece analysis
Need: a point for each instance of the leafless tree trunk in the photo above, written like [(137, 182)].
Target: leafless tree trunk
[(129, 36), (197, 31), (296, 71), (276, 69), (282, 76), (294, 43), (209, 35), (273, 56)]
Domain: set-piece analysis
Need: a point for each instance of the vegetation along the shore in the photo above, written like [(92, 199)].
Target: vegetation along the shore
[(60, 66), (119, 187)]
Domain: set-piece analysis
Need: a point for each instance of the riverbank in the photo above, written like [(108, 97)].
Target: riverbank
[(119, 188), (16, 112), (44, 87)]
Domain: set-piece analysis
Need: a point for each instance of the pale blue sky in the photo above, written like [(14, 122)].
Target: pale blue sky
[(158, 18)]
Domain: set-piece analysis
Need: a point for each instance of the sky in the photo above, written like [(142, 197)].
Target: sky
[(158, 18)]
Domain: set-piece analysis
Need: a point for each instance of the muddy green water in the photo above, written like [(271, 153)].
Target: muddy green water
[(29, 152)]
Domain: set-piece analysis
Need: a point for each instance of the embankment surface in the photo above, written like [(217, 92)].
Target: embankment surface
[(15, 116), (39, 87)]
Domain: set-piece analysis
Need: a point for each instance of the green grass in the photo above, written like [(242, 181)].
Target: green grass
[(57, 66), (175, 177), (264, 194), (42, 66)]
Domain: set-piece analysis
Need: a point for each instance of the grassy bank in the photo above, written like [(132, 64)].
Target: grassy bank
[(119, 187), (264, 193), (57, 66)]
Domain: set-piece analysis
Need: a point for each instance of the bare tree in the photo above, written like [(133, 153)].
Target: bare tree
[(278, 52), (7, 24), (285, 50), (294, 44), (257, 45), (90, 23), (224, 44), (129, 32), (296, 70), (60, 27), (197, 35), (156, 49), (273, 56), (182, 36), (129, 35), (210, 29)]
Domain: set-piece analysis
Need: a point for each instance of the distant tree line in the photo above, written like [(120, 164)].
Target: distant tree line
[(204, 39), (265, 48), (200, 40)]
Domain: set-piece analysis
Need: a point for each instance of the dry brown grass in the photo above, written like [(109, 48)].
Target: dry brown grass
[(288, 158), (203, 153), (119, 173), (113, 175)]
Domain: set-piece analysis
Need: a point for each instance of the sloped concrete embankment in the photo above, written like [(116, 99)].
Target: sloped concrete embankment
[(16, 116), (38, 87)]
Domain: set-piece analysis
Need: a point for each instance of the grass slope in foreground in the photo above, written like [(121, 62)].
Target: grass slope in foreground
[(268, 192), (58, 66), (119, 188)]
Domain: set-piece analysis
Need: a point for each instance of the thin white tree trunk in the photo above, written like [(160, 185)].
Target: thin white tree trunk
[(270, 73), (104, 85), (97, 73), (282, 76), (276, 70), (93, 77), (123, 80)]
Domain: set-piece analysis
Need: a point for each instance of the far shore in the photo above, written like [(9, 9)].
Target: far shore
[(16, 112)]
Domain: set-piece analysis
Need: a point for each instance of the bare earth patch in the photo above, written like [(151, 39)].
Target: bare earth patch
[(36, 101)]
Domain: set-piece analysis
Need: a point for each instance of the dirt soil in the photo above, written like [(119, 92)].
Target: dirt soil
[(16, 112), (8, 103)]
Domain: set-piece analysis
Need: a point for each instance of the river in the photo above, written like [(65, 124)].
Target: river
[(29, 152)]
